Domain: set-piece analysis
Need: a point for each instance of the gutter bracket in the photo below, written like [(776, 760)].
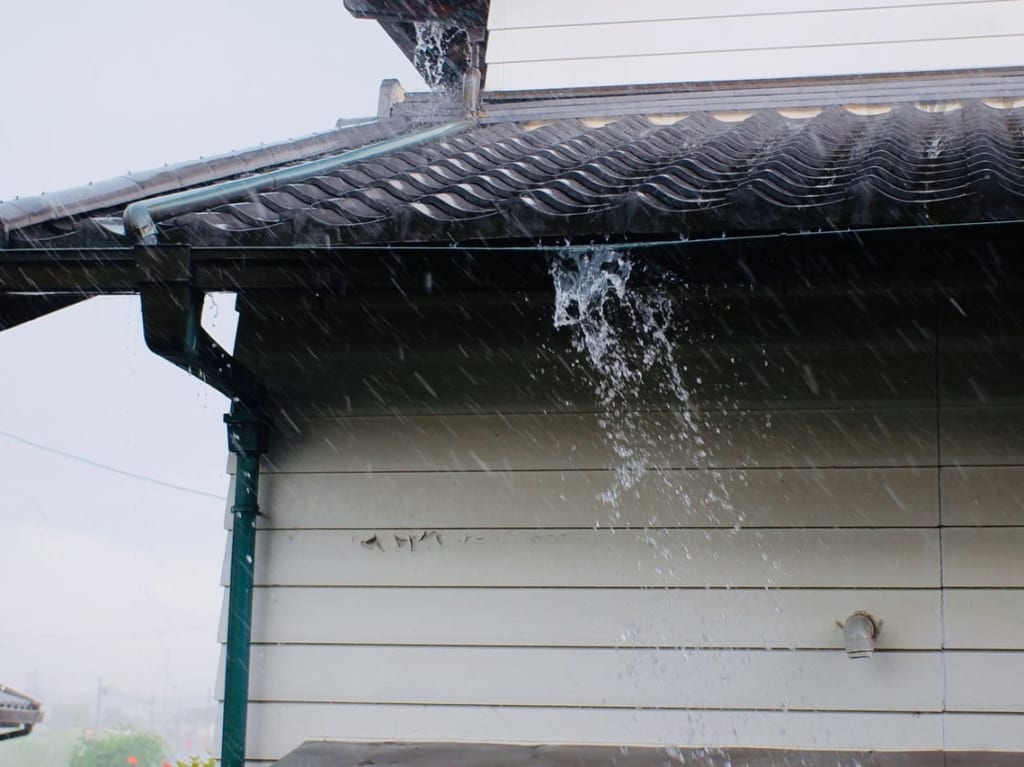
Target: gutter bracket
[(171, 317)]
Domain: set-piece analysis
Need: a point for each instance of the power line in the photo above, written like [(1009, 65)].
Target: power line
[(107, 467), (113, 634)]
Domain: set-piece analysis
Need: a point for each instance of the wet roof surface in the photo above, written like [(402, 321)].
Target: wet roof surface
[(696, 176)]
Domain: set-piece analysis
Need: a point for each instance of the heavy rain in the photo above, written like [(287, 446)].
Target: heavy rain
[(601, 384)]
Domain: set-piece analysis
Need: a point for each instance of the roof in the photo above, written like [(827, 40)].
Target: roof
[(692, 175), (466, 13), (17, 710), (113, 194)]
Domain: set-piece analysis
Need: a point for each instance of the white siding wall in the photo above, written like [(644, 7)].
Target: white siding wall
[(543, 44), (434, 563)]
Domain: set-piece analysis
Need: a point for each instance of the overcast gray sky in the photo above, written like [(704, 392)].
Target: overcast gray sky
[(118, 577)]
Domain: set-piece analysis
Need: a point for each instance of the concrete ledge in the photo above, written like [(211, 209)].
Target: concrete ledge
[(337, 754)]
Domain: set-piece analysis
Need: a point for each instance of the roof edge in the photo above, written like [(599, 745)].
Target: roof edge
[(22, 212), (463, 12)]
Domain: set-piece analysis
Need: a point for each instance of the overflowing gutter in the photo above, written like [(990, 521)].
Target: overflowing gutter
[(456, 32)]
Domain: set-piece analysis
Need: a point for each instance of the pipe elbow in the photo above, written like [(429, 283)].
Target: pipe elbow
[(139, 224)]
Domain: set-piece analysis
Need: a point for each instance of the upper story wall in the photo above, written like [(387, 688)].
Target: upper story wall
[(540, 44)]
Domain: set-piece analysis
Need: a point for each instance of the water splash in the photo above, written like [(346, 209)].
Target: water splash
[(434, 40), (624, 336)]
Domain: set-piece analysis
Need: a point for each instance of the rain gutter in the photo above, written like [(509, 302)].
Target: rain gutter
[(140, 217)]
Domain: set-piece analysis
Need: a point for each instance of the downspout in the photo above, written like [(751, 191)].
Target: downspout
[(247, 440), (139, 217), (171, 316)]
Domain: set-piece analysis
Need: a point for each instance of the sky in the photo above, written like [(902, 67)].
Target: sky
[(116, 572)]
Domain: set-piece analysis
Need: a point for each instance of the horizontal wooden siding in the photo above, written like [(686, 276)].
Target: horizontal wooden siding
[(443, 568)]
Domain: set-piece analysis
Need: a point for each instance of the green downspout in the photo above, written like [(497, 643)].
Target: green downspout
[(247, 440), (171, 312)]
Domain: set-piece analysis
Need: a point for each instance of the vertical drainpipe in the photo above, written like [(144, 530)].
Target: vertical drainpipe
[(171, 320), (247, 440)]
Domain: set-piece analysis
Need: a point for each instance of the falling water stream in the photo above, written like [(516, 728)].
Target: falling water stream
[(433, 40), (625, 336)]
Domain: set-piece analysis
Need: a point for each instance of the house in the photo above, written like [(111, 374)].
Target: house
[(624, 393), (19, 714)]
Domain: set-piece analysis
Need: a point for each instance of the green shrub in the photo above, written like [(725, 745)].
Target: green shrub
[(45, 747), (119, 749), (195, 761)]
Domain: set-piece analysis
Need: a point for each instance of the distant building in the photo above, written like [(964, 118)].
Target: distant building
[(18, 713)]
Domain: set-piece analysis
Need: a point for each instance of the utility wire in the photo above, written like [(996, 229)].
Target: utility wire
[(106, 467), (114, 634)]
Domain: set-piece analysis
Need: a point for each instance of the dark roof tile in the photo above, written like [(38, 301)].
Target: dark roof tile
[(699, 175)]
